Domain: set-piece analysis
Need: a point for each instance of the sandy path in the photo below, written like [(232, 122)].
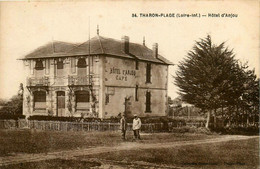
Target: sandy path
[(21, 158)]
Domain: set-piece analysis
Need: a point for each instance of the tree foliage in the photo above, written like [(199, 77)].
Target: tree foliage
[(12, 106), (210, 77)]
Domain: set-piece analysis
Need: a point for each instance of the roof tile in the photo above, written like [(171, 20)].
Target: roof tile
[(98, 45)]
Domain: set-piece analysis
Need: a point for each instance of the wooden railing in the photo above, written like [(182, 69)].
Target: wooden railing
[(37, 81), (87, 126)]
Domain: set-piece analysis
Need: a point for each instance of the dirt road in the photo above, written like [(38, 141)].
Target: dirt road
[(21, 158)]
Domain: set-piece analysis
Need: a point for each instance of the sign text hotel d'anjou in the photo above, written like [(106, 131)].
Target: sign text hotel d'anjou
[(122, 74)]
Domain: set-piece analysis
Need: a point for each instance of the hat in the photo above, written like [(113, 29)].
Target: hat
[(135, 115)]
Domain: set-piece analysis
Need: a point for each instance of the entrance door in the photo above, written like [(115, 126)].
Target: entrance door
[(60, 103), (128, 106)]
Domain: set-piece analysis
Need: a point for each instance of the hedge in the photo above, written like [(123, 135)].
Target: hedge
[(11, 117)]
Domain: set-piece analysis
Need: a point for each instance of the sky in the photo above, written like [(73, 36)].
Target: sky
[(25, 26)]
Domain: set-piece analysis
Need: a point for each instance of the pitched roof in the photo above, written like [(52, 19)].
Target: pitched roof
[(50, 49), (98, 45)]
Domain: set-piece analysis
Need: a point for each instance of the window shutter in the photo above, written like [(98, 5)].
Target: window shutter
[(47, 66), (31, 67), (73, 65)]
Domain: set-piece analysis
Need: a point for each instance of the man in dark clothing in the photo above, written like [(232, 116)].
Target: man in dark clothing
[(123, 126)]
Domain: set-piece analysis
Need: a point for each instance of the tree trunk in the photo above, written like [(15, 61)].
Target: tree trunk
[(247, 119), (215, 118), (222, 111), (208, 119)]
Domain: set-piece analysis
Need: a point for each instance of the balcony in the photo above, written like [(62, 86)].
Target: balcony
[(79, 80), (37, 81)]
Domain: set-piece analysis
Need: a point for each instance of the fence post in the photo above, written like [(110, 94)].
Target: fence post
[(81, 126)]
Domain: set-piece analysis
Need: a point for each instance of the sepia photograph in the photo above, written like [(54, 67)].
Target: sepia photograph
[(129, 84)]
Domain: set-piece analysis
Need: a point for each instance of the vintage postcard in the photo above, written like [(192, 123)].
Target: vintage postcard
[(129, 84)]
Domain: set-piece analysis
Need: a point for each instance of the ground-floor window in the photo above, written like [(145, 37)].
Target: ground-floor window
[(39, 100), (148, 102), (107, 99), (82, 100)]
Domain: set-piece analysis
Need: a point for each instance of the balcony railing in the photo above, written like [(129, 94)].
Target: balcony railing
[(79, 80), (38, 81)]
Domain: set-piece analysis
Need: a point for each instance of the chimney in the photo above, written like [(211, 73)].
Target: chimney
[(125, 44), (98, 30), (155, 50), (144, 41)]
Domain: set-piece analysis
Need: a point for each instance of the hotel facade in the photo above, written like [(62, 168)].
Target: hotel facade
[(98, 78)]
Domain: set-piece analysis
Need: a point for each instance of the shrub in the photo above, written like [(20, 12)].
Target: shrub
[(252, 130), (68, 119), (12, 107), (11, 117)]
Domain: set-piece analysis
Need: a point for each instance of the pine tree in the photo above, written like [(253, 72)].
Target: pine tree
[(209, 77)]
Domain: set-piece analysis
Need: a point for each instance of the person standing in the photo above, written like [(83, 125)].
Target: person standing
[(123, 126), (136, 127)]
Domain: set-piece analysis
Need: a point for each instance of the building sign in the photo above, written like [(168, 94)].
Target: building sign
[(122, 74)]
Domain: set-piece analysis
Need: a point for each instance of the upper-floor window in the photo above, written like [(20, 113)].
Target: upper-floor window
[(60, 65), (60, 68), (148, 73), (39, 65), (39, 68), (136, 65), (82, 67)]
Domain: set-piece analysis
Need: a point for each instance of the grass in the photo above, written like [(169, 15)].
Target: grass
[(54, 164), (239, 154), (33, 141)]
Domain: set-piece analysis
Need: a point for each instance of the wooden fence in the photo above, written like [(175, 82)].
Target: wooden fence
[(88, 126)]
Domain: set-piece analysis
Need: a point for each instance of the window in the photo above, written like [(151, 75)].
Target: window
[(136, 93), (148, 73), (60, 68), (82, 67), (148, 102), (60, 65), (107, 99), (39, 68), (39, 100), (39, 65), (82, 99), (136, 65)]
